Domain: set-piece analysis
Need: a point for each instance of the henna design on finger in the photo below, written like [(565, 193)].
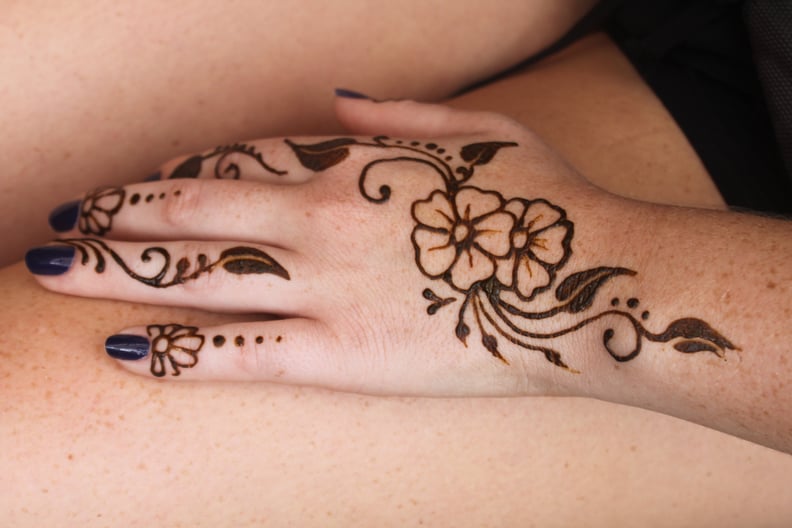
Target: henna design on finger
[(240, 260), (223, 168), (98, 209), (175, 346), (503, 254)]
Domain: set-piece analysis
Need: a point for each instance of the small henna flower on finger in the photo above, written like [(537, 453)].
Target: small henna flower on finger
[(173, 345), (98, 208)]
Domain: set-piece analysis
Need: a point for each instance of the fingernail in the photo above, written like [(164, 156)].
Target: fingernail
[(64, 217), (49, 260), (154, 177), (127, 347), (350, 94)]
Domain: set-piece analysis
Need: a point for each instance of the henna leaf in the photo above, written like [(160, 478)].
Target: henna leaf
[(579, 289), (189, 168), (491, 343), (697, 336), (322, 156), (482, 153), (462, 331), (555, 358), (246, 260), (690, 347)]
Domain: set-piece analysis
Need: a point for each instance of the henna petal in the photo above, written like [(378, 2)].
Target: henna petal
[(101, 218), (436, 211), (548, 244), (504, 270), (109, 202), (540, 215), (187, 342), (472, 266), (472, 203), (530, 276), (158, 365), (434, 251), (492, 233), (515, 207), (183, 358), (92, 226)]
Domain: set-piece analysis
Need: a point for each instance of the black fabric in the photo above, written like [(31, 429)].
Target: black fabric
[(770, 28), (696, 57)]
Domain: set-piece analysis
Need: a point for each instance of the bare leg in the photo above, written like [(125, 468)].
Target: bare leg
[(97, 94), (84, 442)]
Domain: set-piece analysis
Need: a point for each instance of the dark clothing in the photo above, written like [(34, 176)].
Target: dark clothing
[(696, 55)]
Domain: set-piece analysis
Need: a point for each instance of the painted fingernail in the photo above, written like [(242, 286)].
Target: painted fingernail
[(64, 217), (127, 347), (350, 94), (49, 260), (154, 177)]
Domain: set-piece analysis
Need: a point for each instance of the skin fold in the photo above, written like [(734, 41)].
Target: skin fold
[(84, 442)]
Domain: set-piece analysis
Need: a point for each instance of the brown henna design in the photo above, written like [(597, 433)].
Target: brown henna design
[(223, 169), (98, 209), (502, 254), (238, 260), (175, 346)]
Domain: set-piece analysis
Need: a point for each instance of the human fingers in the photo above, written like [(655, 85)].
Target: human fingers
[(204, 209), (219, 276), (400, 231), (260, 160), (362, 115), (296, 351)]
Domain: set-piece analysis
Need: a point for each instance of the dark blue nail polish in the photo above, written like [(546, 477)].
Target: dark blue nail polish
[(154, 177), (127, 347), (64, 217), (349, 94), (49, 260)]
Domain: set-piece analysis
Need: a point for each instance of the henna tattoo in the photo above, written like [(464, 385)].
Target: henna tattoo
[(502, 254), (173, 345), (98, 209), (223, 168), (238, 260)]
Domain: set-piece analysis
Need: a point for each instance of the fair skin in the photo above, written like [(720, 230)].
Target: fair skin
[(299, 450), (159, 80), (347, 291)]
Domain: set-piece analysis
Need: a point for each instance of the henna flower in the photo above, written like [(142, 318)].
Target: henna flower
[(460, 238), (98, 208), (541, 240), (177, 344)]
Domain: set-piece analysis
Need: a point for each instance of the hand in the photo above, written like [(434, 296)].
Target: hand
[(448, 265)]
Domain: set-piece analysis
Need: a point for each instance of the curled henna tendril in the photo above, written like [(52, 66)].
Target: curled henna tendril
[(191, 167), (238, 260), (485, 246)]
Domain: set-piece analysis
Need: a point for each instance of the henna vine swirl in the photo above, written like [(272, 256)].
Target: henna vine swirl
[(499, 254), (238, 260), (223, 168)]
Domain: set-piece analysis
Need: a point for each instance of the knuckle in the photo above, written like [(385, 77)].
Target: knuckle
[(184, 203), (246, 359), (501, 124)]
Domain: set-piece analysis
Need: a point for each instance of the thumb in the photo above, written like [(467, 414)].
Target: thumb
[(364, 116)]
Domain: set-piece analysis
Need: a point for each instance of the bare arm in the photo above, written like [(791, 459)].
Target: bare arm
[(500, 271), (83, 443), (97, 94)]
